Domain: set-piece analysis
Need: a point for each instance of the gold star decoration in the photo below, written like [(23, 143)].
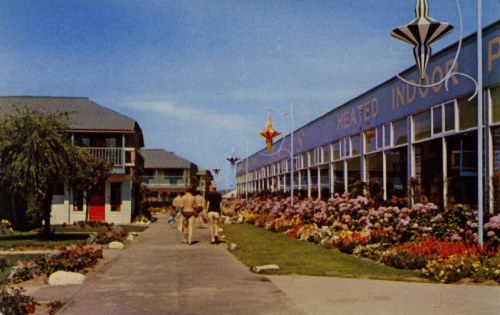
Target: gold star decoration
[(269, 133)]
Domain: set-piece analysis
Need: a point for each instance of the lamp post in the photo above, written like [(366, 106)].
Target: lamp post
[(480, 194), (421, 32)]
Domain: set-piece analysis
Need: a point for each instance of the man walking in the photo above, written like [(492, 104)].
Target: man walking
[(214, 200)]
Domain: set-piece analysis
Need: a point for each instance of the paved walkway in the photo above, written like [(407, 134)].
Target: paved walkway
[(158, 274)]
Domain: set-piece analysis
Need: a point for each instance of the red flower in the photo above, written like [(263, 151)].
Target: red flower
[(31, 309)]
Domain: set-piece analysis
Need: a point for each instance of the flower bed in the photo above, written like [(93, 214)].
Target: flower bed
[(76, 259), (412, 238), (13, 301)]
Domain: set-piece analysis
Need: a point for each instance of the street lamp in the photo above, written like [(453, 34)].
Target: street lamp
[(421, 32)]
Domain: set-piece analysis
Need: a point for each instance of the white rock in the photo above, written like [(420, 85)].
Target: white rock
[(259, 269), (116, 245), (233, 246), (130, 237), (65, 278)]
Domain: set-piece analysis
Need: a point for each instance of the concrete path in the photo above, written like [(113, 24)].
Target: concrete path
[(158, 274)]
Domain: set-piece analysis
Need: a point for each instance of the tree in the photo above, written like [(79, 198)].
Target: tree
[(87, 173), (36, 156)]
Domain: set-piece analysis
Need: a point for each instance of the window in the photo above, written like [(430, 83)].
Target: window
[(422, 125), (77, 200), (110, 143), (437, 119), (116, 196), (496, 149), (305, 160), (380, 137), (317, 156), (467, 113), (296, 162), (337, 151), (495, 104), (387, 135), (356, 145), (370, 140), (400, 131), (347, 147), (449, 116), (338, 175), (326, 154)]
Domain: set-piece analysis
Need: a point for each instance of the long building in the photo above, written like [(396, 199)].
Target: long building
[(406, 141)]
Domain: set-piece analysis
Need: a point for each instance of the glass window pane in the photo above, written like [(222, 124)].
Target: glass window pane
[(380, 137), (495, 106), (336, 151), (422, 125), (370, 140), (347, 147), (467, 113), (387, 135), (116, 196), (374, 169), (449, 116), (437, 120), (400, 131), (397, 168), (496, 149), (338, 173), (326, 154), (356, 145), (353, 172)]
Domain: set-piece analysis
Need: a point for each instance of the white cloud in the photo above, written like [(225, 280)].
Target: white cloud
[(193, 115)]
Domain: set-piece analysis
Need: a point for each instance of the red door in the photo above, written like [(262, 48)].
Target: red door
[(97, 204)]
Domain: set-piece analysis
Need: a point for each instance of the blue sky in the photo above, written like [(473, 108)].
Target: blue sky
[(201, 76)]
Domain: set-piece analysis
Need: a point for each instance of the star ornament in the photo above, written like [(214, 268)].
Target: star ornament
[(269, 133), (232, 159), (216, 170), (421, 32)]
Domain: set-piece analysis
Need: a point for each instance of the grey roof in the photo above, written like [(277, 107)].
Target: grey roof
[(159, 158), (83, 114)]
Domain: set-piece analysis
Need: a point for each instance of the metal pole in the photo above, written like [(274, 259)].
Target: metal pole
[(480, 122), (291, 153), (246, 176)]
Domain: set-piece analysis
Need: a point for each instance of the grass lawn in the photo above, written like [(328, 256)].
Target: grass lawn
[(61, 237), (257, 246), (28, 240), (88, 229)]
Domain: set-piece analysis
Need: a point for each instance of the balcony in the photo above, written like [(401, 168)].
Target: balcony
[(113, 155), (165, 181)]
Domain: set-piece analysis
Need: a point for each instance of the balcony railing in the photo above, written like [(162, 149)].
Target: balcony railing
[(165, 181), (113, 155)]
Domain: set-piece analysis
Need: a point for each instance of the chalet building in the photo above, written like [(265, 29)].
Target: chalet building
[(105, 134), (167, 174), (404, 140)]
